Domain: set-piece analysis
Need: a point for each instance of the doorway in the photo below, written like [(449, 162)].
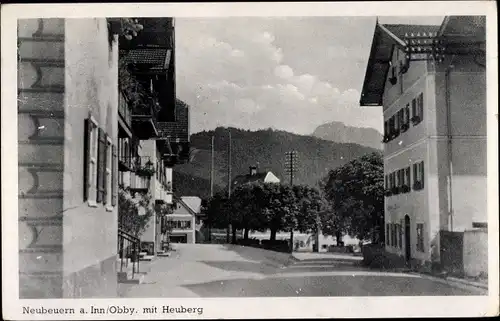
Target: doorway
[(178, 239), (407, 239)]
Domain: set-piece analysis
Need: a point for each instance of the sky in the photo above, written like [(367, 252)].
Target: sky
[(285, 73)]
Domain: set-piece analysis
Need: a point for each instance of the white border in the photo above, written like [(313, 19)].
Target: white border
[(249, 307)]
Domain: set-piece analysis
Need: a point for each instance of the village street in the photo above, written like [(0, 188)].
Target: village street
[(213, 270)]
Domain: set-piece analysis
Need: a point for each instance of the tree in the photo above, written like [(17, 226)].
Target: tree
[(134, 213), (245, 209), (355, 192), (217, 211)]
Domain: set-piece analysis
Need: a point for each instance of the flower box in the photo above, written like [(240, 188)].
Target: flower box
[(416, 119)]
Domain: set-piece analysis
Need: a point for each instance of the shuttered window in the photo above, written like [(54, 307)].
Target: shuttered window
[(90, 170), (108, 183), (101, 167), (114, 178), (418, 176)]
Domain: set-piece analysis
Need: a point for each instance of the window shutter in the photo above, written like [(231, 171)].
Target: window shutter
[(101, 168), (114, 176), (413, 108), (421, 106), (86, 158), (407, 114), (414, 173), (422, 173)]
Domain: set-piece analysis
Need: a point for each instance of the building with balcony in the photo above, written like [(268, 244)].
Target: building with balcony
[(431, 84), (155, 135), (67, 147)]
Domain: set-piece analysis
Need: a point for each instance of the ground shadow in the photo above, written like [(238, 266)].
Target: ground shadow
[(241, 266)]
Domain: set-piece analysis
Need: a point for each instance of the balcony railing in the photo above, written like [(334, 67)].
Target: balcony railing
[(124, 110), (144, 120)]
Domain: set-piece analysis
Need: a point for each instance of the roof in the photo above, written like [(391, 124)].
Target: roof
[(182, 201), (179, 129), (193, 202), (157, 58), (385, 38), (245, 179)]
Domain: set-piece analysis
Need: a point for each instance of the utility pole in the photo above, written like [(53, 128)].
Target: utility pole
[(291, 164), (211, 184), (212, 168), (229, 181), (291, 168)]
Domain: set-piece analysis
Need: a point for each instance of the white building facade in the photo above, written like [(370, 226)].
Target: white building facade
[(434, 133)]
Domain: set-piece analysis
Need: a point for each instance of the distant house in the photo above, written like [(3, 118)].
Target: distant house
[(184, 220), (254, 176)]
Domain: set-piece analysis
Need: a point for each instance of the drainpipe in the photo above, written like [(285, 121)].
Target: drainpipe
[(449, 143)]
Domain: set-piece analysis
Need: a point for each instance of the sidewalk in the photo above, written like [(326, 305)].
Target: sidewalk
[(301, 256), (196, 264)]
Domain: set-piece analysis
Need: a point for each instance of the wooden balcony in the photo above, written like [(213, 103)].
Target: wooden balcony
[(144, 123)]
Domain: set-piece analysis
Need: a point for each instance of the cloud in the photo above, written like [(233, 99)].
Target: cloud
[(283, 71), (236, 72)]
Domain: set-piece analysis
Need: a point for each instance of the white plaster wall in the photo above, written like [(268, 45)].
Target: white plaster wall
[(91, 81)]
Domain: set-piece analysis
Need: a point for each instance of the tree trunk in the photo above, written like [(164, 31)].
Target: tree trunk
[(291, 241), (234, 230), (228, 236), (273, 235), (246, 234), (338, 236)]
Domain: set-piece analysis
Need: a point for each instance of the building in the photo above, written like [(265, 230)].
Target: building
[(184, 221), (431, 83), (68, 136), (158, 135), (83, 140), (254, 176)]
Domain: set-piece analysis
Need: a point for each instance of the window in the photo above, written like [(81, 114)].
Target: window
[(91, 142), (417, 106), (405, 118), (181, 225), (386, 131), (399, 236), (109, 172), (390, 234), (387, 234), (418, 176), (392, 128), (420, 237)]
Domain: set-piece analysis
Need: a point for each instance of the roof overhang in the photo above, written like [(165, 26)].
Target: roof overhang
[(383, 44)]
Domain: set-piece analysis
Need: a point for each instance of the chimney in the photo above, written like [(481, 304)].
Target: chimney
[(253, 170)]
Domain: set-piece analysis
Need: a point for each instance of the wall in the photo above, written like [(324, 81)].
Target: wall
[(41, 120), (467, 98), (148, 148), (476, 253), (90, 232), (410, 147)]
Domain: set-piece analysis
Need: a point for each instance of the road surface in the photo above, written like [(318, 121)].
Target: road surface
[(199, 270)]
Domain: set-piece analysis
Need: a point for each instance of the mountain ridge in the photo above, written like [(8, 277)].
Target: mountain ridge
[(341, 133)]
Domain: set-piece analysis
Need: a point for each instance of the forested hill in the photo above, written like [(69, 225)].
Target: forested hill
[(265, 148)]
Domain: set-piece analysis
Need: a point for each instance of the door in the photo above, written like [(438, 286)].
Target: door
[(407, 239)]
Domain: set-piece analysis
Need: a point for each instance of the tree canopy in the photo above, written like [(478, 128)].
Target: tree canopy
[(262, 206), (355, 192)]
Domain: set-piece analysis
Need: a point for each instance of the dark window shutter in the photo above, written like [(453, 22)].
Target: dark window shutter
[(422, 173), (421, 106), (101, 168), (114, 177), (86, 158), (414, 108), (414, 173)]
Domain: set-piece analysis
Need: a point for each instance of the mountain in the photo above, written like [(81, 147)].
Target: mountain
[(340, 133), (264, 148)]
